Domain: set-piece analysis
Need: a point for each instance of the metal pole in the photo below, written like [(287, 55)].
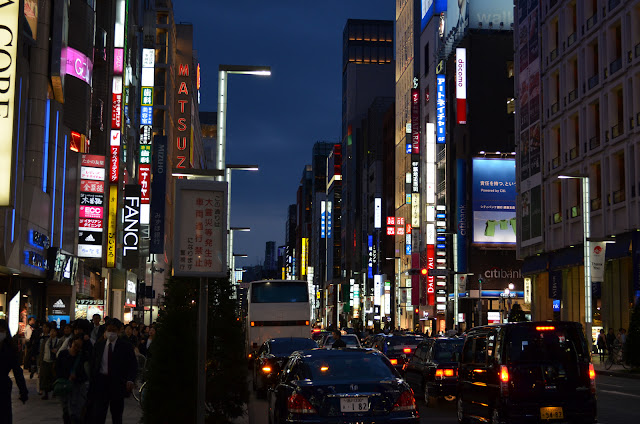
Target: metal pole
[(586, 220), (480, 302), (202, 350), (222, 122), (153, 269), (455, 282), (229, 232)]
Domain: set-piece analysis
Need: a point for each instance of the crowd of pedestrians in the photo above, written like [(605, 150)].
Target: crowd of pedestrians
[(88, 366), (610, 342)]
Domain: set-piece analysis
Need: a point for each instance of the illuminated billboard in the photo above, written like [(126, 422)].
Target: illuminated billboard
[(494, 201), (428, 8), (461, 85), (91, 206), (485, 14), (441, 113)]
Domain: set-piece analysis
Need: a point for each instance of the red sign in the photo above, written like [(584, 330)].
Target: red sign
[(391, 231), (95, 161), (183, 127), (90, 224), (144, 178), (415, 121), (91, 212), (89, 186), (391, 220), (431, 281), (114, 165), (116, 110)]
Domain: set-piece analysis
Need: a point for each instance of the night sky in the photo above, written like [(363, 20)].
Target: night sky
[(273, 121)]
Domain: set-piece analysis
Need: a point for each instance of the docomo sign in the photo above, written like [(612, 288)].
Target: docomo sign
[(9, 14), (77, 65), (461, 85)]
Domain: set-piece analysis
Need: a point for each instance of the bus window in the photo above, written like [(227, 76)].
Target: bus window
[(279, 292)]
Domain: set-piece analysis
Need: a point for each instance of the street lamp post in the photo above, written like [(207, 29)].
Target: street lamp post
[(228, 169), (586, 224)]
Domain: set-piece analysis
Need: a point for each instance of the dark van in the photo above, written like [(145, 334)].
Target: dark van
[(527, 372)]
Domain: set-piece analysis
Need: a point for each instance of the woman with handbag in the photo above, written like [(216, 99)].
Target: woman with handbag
[(47, 370), (70, 385)]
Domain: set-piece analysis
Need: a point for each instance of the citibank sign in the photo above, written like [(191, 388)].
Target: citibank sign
[(9, 13)]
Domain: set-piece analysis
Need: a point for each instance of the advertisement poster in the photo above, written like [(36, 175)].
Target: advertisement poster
[(494, 201)]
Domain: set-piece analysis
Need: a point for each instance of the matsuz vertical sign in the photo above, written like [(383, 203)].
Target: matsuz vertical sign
[(131, 227), (200, 229), (183, 127)]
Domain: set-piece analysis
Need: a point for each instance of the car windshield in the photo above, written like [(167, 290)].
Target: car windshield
[(364, 366), (400, 341), (351, 341), (445, 350), (550, 343), (288, 346)]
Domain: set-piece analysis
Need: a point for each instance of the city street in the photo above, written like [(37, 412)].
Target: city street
[(618, 402)]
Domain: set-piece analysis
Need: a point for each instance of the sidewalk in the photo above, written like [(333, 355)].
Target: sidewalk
[(36, 410), (614, 371)]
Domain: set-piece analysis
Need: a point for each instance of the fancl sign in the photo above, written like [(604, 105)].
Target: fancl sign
[(131, 230), (9, 13)]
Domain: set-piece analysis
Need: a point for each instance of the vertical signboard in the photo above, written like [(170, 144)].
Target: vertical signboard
[(494, 201), (441, 114), (9, 14), (183, 127), (461, 215), (377, 213), (91, 208), (415, 120), (111, 226), (323, 219), (461, 85), (158, 194), (431, 281), (131, 227), (200, 229)]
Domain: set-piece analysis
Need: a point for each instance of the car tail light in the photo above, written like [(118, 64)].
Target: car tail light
[(445, 372), (439, 373), (406, 402), (266, 369), (504, 380), (298, 404), (545, 328), (592, 379), (449, 372), (393, 361), (250, 355), (407, 350)]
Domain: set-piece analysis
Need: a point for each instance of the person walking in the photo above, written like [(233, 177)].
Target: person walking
[(9, 361), (145, 345), (47, 372), (338, 342), (602, 344), (97, 330), (113, 371), (611, 340), (70, 365), (67, 335), (33, 347)]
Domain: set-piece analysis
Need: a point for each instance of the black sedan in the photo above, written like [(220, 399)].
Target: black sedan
[(271, 357), (433, 369), (341, 386), (399, 348)]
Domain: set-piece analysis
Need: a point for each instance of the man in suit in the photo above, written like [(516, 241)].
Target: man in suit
[(113, 371)]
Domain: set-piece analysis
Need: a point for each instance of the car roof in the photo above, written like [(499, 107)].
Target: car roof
[(286, 339), (332, 353), (561, 324)]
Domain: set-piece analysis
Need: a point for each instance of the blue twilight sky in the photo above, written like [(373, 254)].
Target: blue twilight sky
[(273, 121)]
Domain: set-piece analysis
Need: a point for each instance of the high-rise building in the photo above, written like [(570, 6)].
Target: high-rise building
[(367, 73), (270, 258), (577, 115)]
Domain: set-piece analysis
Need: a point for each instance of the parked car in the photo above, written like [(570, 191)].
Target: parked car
[(432, 371), (398, 348), (350, 339), (527, 372), (271, 357), (341, 386)]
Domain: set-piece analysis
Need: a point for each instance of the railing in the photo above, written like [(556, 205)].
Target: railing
[(613, 3), (575, 211), (557, 218), (442, 154), (573, 153), (572, 39), (573, 95), (596, 204), (554, 108), (615, 66), (594, 142), (618, 196), (555, 162), (553, 54), (617, 130), (592, 20), (442, 185), (593, 81)]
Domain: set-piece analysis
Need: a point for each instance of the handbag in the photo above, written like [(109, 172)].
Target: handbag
[(64, 386)]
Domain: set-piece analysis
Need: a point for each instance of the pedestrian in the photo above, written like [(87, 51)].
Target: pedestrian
[(622, 336), (337, 340), (145, 346), (32, 336), (602, 344), (71, 373), (113, 371), (9, 361), (67, 334), (47, 371), (128, 334), (611, 340), (44, 336), (97, 330)]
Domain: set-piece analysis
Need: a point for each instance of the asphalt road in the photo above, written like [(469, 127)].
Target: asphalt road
[(618, 402)]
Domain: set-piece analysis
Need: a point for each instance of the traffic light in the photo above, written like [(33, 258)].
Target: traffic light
[(417, 311), (424, 272)]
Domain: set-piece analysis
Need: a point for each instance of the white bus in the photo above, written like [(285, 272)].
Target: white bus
[(277, 308)]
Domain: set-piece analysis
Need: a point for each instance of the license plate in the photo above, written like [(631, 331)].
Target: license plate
[(354, 404), (551, 413)]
